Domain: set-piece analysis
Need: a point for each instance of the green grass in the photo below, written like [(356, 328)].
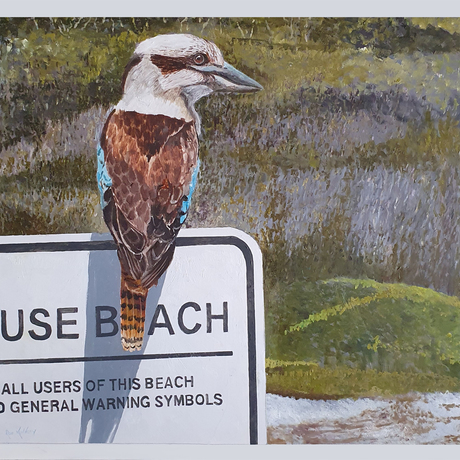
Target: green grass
[(314, 382), (52, 69), (50, 210)]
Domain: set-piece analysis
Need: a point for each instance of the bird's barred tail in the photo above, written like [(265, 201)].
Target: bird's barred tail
[(132, 315)]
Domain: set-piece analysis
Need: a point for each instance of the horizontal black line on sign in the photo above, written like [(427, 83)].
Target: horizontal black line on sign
[(85, 359), (59, 246), (108, 245)]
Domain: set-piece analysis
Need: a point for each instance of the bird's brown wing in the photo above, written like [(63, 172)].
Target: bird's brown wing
[(150, 160)]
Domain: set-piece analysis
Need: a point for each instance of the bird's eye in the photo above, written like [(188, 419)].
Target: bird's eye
[(200, 59)]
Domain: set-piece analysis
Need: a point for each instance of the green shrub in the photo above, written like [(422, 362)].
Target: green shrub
[(363, 324)]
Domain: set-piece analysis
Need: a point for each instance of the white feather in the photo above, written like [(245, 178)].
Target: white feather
[(176, 45), (148, 91)]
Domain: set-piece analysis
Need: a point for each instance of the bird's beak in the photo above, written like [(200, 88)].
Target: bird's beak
[(229, 79)]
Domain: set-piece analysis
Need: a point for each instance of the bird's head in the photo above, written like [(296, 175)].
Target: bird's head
[(182, 65)]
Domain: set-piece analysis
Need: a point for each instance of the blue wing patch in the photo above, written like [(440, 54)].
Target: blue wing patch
[(103, 179), (188, 198)]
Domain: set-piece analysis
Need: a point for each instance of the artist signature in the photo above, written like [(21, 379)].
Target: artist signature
[(21, 432)]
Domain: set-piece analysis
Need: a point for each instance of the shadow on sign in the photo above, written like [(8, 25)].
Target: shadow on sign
[(100, 425)]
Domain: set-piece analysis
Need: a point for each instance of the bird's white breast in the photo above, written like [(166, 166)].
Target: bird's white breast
[(151, 105)]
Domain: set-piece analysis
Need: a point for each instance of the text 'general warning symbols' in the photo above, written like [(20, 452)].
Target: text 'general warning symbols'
[(64, 377)]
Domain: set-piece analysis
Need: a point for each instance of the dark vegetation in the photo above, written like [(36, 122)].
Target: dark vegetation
[(346, 165)]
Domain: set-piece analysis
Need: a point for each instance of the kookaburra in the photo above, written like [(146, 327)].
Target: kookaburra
[(148, 159)]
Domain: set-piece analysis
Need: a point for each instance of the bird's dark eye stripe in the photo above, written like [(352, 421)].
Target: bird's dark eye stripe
[(169, 64)]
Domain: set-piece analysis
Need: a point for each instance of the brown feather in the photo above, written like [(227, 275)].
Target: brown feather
[(150, 159)]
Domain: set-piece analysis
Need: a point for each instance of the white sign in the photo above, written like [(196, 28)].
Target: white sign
[(64, 377)]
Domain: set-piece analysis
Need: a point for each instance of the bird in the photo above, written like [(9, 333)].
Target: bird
[(148, 159)]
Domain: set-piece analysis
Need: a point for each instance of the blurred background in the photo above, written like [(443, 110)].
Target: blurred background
[(344, 169)]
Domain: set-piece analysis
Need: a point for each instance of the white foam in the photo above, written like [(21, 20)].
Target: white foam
[(289, 411), (432, 418)]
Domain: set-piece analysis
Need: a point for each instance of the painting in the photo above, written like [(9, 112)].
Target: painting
[(341, 162)]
